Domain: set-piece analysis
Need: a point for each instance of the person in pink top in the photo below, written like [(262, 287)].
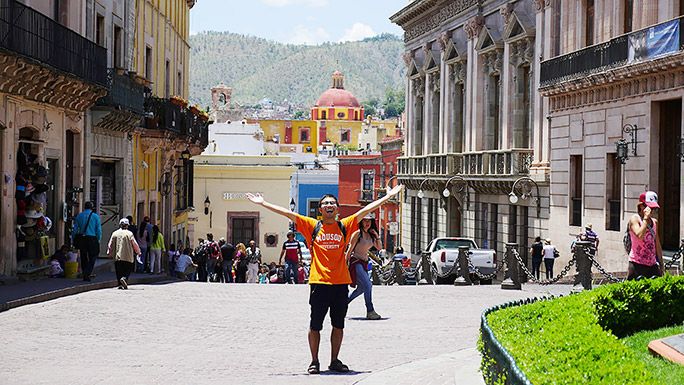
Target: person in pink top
[(646, 254)]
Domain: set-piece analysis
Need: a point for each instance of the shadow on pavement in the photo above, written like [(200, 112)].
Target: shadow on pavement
[(366, 319)]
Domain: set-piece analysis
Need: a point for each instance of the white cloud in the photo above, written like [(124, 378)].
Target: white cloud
[(284, 3), (304, 35), (358, 31)]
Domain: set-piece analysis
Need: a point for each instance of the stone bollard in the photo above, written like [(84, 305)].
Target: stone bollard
[(398, 272), (426, 276), (511, 274), (583, 265), (463, 278)]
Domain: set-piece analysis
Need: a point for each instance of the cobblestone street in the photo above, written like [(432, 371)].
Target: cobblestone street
[(192, 333)]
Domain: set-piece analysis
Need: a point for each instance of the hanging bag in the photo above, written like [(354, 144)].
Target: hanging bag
[(79, 239)]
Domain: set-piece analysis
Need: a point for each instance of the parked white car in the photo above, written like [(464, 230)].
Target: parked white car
[(443, 254)]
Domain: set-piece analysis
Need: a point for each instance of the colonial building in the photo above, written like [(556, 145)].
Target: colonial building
[(111, 122), (614, 73), (475, 124), (172, 131), (339, 115), (51, 73)]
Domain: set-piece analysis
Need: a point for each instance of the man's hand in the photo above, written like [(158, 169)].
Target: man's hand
[(255, 198), (395, 190)]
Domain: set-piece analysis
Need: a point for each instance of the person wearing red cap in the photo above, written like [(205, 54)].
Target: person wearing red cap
[(646, 254)]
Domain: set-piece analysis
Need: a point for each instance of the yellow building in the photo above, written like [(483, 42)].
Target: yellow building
[(299, 133), (221, 181), (339, 115), (172, 131)]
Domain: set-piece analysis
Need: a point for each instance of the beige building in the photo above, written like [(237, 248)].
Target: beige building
[(221, 181), (615, 69)]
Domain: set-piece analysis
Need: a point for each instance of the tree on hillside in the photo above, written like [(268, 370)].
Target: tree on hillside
[(371, 107), (394, 102)]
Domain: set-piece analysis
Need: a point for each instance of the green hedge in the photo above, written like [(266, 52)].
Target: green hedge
[(641, 305), (562, 342)]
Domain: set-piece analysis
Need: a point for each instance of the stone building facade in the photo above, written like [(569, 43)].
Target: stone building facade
[(601, 80), (475, 124)]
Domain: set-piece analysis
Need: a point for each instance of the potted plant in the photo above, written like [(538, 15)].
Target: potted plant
[(177, 100)]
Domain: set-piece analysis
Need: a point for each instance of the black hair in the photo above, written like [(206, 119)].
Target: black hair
[(88, 205), (155, 233), (399, 250), (327, 196), (538, 239), (130, 219), (373, 226)]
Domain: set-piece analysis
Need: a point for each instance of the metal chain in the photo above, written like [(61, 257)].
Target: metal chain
[(592, 258), (676, 256), (532, 278), (481, 275), (453, 270)]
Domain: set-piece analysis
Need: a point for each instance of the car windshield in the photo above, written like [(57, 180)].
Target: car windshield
[(452, 243)]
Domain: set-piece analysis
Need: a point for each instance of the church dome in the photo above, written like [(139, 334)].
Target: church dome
[(337, 96)]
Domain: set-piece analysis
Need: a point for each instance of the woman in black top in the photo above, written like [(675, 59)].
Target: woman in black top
[(537, 252)]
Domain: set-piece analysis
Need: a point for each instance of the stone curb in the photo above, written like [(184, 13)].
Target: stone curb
[(50, 295)]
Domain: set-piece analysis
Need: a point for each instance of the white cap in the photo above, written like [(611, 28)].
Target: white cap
[(124, 221)]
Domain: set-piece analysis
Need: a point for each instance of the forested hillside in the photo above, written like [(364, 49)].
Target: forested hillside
[(257, 68)]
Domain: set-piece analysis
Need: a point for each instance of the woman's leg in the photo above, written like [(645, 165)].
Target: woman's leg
[(548, 262), (359, 285)]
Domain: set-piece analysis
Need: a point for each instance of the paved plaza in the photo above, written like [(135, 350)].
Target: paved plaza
[(195, 333)]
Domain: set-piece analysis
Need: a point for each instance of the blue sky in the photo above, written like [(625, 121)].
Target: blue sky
[(298, 21)]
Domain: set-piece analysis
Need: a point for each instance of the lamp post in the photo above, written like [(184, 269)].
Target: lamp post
[(622, 146), (185, 155), (165, 185), (293, 205), (527, 181)]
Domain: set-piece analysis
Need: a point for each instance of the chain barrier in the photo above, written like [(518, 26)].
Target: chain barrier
[(592, 258), (453, 270), (531, 276), (676, 256), (480, 274)]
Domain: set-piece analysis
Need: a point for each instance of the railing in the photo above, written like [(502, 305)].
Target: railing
[(497, 162), (434, 164), (165, 115), (597, 58), (31, 34), (124, 93)]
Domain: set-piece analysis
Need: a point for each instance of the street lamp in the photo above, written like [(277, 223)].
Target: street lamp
[(387, 183), (421, 194), (179, 184), (207, 202), (292, 205), (165, 185), (446, 193), (527, 181), (185, 155), (622, 146)]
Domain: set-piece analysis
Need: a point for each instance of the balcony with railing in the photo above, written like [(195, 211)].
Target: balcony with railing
[(124, 93), (601, 57), (165, 114), (512, 162), (32, 35)]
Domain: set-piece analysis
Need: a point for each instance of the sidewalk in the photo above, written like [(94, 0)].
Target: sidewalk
[(19, 293)]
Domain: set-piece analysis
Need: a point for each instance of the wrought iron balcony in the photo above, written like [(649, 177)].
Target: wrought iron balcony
[(124, 93), (164, 114), (29, 33), (596, 58)]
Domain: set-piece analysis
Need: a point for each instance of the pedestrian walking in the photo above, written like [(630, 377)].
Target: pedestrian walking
[(646, 253), (213, 256), (537, 251), (363, 239), (550, 254), (173, 255), (227, 255), (123, 249), (590, 235), (87, 234), (253, 262), (329, 277), (144, 232), (156, 249), (200, 259), (240, 263), (292, 251)]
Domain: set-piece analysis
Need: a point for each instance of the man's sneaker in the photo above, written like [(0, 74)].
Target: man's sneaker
[(123, 283), (373, 315)]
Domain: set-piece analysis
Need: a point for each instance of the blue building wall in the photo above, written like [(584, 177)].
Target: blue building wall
[(313, 191)]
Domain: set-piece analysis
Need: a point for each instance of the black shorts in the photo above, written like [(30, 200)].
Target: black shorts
[(636, 270), (322, 297)]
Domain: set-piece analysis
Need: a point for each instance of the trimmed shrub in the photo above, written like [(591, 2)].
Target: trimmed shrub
[(647, 304), (560, 342)]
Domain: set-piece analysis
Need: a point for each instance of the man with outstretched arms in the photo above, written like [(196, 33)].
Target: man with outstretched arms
[(329, 276)]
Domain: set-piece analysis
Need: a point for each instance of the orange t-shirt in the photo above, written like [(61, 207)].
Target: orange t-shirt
[(328, 266)]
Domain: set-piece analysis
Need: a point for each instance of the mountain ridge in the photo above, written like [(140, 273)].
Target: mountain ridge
[(258, 68)]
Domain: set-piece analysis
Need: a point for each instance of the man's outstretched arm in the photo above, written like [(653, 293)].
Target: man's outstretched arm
[(259, 200), (377, 203)]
